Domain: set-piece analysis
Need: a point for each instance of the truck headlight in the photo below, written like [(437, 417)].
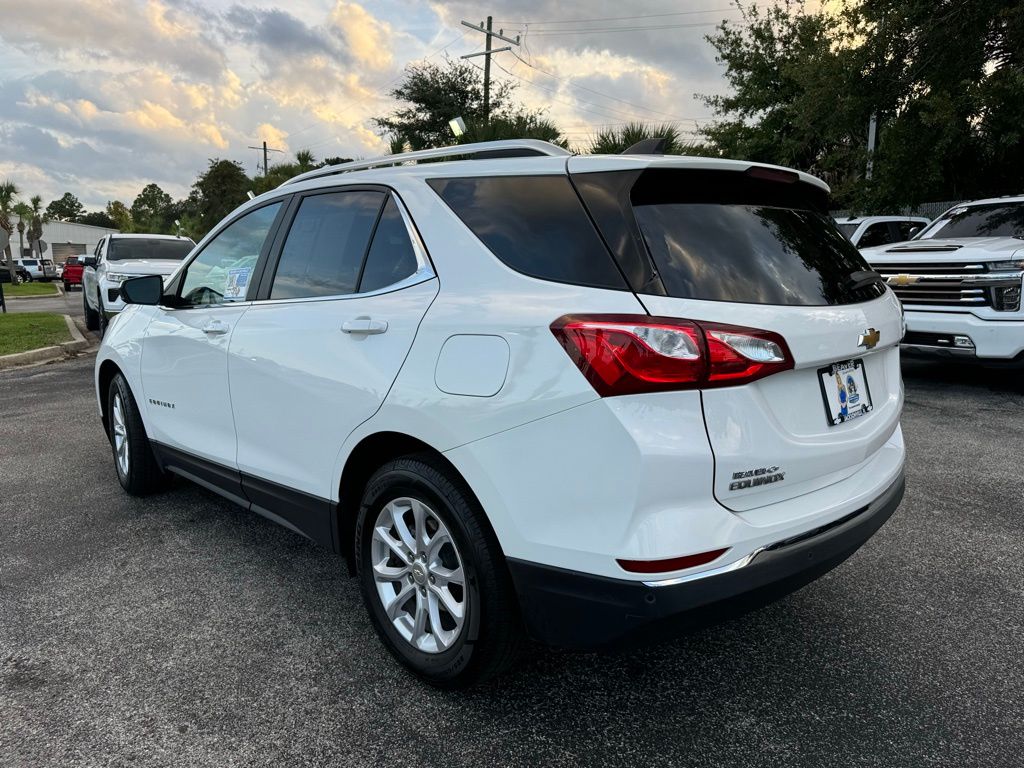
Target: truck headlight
[(118, 277)]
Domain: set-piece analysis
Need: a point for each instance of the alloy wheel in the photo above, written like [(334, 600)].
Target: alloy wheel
[(120, 435), (418, 573)]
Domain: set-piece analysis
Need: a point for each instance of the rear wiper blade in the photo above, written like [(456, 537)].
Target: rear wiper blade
[(863, 277)]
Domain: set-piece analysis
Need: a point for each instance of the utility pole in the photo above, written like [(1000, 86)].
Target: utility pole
[(487, 53), (872, 129), (266, 162)]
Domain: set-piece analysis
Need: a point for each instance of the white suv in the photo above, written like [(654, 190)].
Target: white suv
[(121, 257), (592, 399)]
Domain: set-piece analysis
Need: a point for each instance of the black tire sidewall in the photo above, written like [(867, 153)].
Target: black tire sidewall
[(391, 483), (120, 387)]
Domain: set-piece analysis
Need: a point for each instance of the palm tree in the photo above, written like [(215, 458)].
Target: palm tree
[(35, 225), (612, 141), (8, 191), (305, 160)]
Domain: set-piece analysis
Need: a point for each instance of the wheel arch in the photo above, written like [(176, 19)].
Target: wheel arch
[(104, 376), (369, 454)]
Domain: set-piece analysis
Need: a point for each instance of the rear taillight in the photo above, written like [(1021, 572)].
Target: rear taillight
[(629, 354)]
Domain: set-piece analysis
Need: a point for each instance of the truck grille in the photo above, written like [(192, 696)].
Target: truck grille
[(937, 283)]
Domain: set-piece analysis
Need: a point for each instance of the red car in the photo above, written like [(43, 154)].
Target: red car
[(73, 269)]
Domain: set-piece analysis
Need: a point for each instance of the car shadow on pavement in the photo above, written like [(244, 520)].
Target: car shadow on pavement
[(945, 372)]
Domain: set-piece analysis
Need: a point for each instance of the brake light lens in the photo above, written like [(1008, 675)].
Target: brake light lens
[(631, 354)]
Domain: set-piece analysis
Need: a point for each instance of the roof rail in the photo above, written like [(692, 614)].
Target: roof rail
[(480, 150)]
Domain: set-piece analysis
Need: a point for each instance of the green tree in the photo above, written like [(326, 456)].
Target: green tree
[(97, 219), (216, 193), (118, 213), (8, 193), (67, 208), (523, 125), (944, 80), (153, 211), (435, 94), (614, 141)]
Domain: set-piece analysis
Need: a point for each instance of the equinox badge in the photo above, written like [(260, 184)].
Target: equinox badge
[(869, 338)]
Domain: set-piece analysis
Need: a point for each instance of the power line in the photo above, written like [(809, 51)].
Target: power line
[(605, 112), (265, 150), (602, 30), (487, 53), (380, 90), (599, 93), (622, 18)]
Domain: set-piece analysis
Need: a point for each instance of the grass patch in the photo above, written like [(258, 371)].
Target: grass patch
[(29, 289), (22, 331)]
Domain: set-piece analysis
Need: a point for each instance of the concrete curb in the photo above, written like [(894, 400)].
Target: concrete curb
[(56, 295), (48, 354)]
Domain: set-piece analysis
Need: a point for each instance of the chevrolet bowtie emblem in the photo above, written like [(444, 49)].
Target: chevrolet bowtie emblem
[(869, 338), (901, 279)]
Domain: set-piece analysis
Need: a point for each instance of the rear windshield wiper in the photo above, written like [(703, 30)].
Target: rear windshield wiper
[(863, 277)]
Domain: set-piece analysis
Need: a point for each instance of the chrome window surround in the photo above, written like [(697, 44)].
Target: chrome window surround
[(424, 271)]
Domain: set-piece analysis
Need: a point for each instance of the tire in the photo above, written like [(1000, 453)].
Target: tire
[(103, 321), (28, 278), (92, 317), (487, 641), (136, 465), (67, 286)]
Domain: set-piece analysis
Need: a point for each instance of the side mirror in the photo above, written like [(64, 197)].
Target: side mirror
[(143, 290), (89, 261), (914, 230)]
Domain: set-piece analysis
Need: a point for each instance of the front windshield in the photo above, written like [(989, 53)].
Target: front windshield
[(992, 220), (144, 248)]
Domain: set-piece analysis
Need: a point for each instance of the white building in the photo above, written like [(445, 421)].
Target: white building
[(64, 239)]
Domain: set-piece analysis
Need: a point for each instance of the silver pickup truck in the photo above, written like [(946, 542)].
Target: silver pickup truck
[(960, 281)]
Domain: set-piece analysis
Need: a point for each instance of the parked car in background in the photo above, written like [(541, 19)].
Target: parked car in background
[(596, 399), (121, 257), (21, 274), (39, 269), (868, 231), (960, 281), (72, 273)]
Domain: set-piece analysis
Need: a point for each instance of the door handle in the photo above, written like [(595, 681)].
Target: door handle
[(364, 326), (216, 328)]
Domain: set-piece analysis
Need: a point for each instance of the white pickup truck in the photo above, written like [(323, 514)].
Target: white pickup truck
[(960, 281), (120, 257)]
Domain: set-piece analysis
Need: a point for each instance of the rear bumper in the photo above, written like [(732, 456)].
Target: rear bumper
[(577, 610), (993, 339)]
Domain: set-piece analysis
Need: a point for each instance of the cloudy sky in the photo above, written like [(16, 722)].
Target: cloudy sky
[(100, 98)]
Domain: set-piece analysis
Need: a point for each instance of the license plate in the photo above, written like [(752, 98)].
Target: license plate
[(844, 388)]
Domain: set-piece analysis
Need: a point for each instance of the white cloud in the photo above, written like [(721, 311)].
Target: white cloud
[(101, 98)]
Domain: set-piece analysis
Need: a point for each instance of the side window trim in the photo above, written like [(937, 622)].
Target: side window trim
[(424, 265), (172, 291)]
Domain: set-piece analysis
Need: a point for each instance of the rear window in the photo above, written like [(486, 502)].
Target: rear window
[(141, 248), (848, 229), (535, 224), (995, 220), (724, 237)]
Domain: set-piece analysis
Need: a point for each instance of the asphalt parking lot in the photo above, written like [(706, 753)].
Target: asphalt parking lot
[(182, 631), (67, 303)]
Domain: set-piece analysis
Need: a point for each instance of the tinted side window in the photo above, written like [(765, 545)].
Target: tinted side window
[(535, 224), (391, 257), (876, 234), (221, 272), (326, 243)]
